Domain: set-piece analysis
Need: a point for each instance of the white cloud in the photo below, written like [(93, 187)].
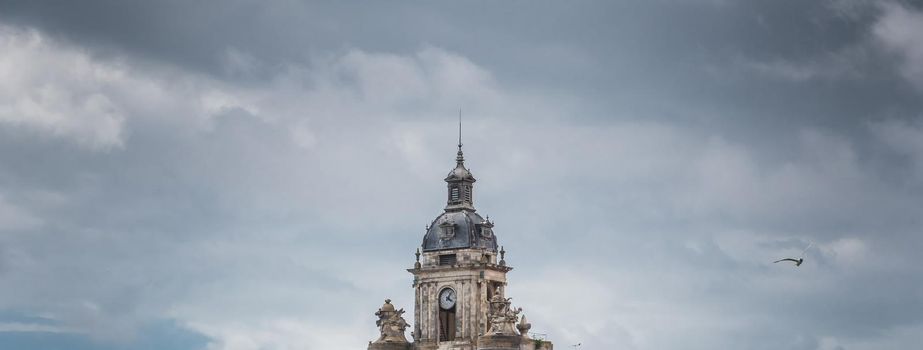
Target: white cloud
[(67, 92), (59, 90), (898, 29)]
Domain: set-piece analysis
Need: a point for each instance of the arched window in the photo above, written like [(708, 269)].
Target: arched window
[(447, 321), (454, 194)]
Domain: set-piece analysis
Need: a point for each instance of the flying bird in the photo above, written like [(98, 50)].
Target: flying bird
[(796, 261)]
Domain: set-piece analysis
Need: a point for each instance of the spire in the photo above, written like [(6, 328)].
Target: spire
[(460, 157)]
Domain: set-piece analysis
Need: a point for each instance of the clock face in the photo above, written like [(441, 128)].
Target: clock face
[(447, 298)]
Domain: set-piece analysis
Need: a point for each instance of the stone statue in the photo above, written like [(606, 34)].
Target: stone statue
[(391, 324), (501, 316)]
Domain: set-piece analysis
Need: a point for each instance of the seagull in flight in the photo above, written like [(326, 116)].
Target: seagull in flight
[(796, 261)]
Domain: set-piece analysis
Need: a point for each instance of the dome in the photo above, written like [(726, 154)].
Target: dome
[(459, 229), (460, 174)]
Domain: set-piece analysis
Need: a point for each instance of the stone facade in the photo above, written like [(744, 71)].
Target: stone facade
[(474, 279), (459, 280)]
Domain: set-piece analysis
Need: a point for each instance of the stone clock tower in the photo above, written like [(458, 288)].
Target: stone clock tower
[(459, 281)]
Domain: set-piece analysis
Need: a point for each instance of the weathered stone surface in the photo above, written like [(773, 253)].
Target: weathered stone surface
[(499, 342), (391, 326), (536, 344), (501, 315), (389, 346), (523, 327)]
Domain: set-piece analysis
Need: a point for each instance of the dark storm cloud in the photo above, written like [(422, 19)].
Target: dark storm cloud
[(662, 59), (258, 173)]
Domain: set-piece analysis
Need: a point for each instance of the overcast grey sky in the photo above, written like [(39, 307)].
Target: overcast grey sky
[(257, 174)]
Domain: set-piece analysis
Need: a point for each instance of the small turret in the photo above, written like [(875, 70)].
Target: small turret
[(460, 182)]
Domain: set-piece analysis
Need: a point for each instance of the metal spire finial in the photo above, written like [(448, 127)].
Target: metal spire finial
[(460, 158), (459, 129)]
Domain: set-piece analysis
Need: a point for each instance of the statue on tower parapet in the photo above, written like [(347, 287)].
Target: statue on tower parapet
[(392, 325), (502, 316)]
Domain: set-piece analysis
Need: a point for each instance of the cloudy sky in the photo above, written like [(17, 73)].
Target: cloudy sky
[(257, 174)]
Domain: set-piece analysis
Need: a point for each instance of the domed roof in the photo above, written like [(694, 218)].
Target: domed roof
[(460, 173), (459, 229)]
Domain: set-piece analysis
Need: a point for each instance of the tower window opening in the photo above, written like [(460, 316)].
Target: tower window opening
[(447, 259), (468, 193), (454, 194), (447, 324)]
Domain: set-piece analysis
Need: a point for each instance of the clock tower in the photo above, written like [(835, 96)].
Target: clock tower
[(459, 281)]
